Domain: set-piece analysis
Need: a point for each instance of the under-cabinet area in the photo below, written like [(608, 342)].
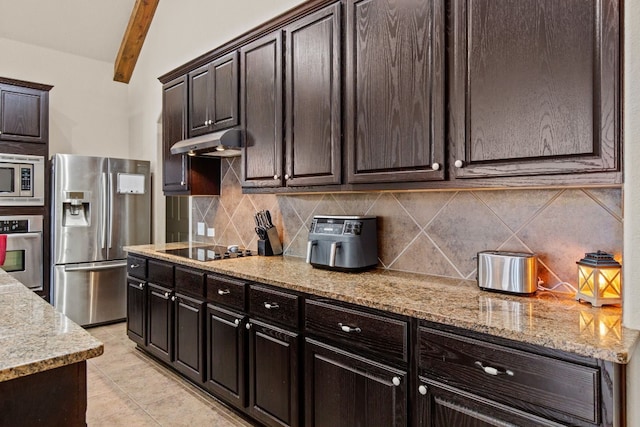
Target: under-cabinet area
[(287, 344)]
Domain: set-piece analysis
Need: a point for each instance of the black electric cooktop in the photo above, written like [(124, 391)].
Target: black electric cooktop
[(209, 253)]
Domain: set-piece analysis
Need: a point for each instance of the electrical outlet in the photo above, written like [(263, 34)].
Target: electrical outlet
[(200, 229), (211, 232)]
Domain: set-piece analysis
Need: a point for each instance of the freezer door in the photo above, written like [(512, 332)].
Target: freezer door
[(129, 219), (79, 226), (91, 293)]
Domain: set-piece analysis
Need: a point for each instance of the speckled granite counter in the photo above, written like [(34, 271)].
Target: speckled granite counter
[(545, 319), (34, 337)]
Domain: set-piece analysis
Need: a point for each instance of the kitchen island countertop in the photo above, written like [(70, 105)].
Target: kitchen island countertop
[(34, 337), (547, 319)]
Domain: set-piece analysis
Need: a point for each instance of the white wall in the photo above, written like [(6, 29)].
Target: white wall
[(88, 110), (180, 32), (631, 283)]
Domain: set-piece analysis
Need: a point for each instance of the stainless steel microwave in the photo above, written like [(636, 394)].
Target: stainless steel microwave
[(21, 180)]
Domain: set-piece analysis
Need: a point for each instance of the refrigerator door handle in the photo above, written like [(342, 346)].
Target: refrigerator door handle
[(103, 221), (111, 196), (94, 267)]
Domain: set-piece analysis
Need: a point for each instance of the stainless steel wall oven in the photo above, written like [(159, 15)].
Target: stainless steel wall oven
[(24, 248)]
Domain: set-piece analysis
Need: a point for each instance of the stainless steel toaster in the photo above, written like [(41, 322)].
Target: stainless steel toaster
[(511, 272), (343, 242)]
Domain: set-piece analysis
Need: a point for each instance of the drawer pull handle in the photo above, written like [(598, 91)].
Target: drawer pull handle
[(494, 371), (346, 328), (395, 381), (134, 265), (271, 305), (223, 291)]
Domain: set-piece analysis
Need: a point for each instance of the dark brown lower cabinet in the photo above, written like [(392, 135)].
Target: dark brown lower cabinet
[(442, 406), (226, 352), (189, 337), (160, 322), (136, 310), (273, 375), (343, 390)]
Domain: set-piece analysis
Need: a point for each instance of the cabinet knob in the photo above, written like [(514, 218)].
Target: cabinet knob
[(271, 305), (286, 176), (458, 163), (396, 381), (248, 326), (422, 390), (223, 291), (141, 285), (346, 328), (181, 182), (435, 166), (276, 177), (237, 322), (173, 298), (166, 294)]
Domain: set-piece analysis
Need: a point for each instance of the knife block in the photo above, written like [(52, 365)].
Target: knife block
[(264, 248)]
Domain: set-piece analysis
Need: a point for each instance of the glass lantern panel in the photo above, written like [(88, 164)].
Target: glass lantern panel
[(609, 282), (586, 280)]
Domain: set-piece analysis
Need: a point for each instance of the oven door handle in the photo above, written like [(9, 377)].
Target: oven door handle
[(16, 236), (95, 266)]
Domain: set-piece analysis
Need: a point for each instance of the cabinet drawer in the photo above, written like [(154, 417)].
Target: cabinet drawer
[(137, 267), (190, 281), (513, 377), (226, 291), (160, 273), (358, 329), (274, 305)]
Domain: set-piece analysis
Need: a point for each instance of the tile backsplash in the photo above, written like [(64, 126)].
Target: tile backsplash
[(434, 232)]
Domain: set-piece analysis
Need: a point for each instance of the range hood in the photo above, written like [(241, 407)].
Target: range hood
[(226, 143)]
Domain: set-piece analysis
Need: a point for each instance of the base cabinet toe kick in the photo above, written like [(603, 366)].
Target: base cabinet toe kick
[(285, 358)]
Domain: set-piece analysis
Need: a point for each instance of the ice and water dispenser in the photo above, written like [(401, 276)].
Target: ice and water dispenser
[(76, 208)]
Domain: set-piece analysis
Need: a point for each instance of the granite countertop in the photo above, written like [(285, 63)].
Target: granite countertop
[(34, 337), (547, 319)]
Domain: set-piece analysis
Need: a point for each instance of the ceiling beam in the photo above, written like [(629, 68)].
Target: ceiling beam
[(133, 39)]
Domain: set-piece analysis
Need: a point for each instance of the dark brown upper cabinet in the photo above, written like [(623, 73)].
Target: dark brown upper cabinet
[(24, 114), (534, 87), (182, 174), (394, 90), (261, 66), (313, 93), (213, 96)]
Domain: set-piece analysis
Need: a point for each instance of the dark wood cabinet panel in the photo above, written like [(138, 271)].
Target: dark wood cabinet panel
[(442, 406), (274, 306), (213, 96), (534, 87), (174, 119), (189, 337), (394, 90), (344, 389), (24, 114), (226, 354), (313, 91), (137, 311), (261, 66), (274, 380), (227, 291), (137, 267), (160, 322), (189, 281), (160, 273)]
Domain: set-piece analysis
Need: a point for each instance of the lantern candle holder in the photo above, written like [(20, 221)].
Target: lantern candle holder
[(599, 281)]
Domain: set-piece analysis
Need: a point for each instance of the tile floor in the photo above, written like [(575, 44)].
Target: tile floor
[(125, 387)]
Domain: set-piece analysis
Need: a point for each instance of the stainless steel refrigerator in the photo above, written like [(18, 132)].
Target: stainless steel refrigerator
[(99, 205)]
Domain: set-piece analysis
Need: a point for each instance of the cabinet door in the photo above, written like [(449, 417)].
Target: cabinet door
[(224, 111), (189, 337), (160, 322), (344, 390), (442, 406), (313, 88), (24, 114), (261, 106), (136, 310), (200, 100), (226, 353), (534, 87), (174, 119), (273, 375), (394, 90)]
